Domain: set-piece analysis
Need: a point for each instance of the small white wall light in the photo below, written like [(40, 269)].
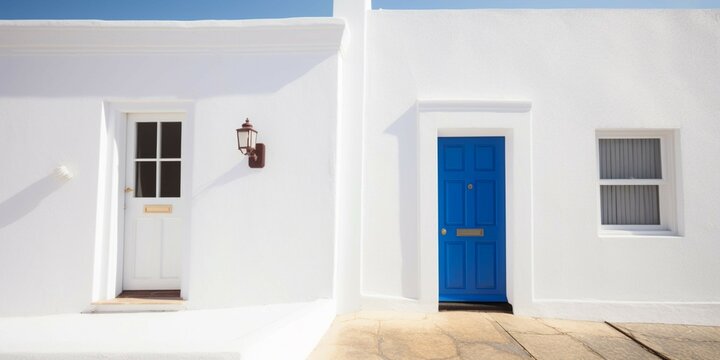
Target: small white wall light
[(63, 172)]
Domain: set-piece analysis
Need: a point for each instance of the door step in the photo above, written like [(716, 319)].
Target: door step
[(96, 308), (501, 307), (140, 301)]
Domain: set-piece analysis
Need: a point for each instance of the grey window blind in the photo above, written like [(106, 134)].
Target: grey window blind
[(630, 159), (629, 205)]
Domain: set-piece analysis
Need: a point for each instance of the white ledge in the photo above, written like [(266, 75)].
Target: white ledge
[(430, 105), (95, 36)]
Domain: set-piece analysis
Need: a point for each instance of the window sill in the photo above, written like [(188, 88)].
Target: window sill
[(614, 234)]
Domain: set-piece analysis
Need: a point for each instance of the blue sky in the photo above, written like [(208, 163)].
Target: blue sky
[(543, 4), (255, 9), (162, 9)]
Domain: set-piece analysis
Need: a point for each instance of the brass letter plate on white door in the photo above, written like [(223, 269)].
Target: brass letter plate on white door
[(470, 232), (158, 209)]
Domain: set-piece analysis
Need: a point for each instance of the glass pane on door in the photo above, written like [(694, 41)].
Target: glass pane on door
[(171, 139), (145, 182), (170, 179), (146, 147)]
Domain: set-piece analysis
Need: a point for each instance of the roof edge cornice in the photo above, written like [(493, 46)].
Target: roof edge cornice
[(96, 36)]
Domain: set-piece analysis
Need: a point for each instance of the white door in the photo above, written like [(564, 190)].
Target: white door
[(154, 203)]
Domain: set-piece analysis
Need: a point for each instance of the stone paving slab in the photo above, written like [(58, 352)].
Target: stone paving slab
[(601, 339), (678, 341), (614, 348), (493, 351), (475, 335), (522, 325), (593, 328), (468, 327), (557, 346), (390, 335)]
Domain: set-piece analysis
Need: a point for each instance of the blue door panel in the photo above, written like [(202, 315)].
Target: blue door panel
[(485, 274), (484, 194), (454, 158), (471, 181), (455, 261), (454, 194), (484, 157)]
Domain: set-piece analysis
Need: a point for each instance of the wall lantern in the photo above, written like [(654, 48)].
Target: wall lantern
[(247, 144)]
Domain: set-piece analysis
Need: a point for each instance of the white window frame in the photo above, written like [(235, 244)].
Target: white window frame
[(667, 188)]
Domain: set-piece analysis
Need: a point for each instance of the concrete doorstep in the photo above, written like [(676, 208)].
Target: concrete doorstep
[(476, 335)]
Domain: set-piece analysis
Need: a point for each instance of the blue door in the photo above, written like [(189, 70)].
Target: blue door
[(471, 232)]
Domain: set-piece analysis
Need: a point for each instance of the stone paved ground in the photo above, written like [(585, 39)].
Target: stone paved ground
[(475, 335)]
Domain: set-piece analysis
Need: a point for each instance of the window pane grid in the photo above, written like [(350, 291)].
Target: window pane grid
[(630, 179), (157, 174)]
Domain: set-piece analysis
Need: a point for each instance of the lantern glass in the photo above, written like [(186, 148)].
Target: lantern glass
[(242, 139), (252, 138), (246, 138)]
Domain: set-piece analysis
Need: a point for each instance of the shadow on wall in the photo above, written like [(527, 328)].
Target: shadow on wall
[(405, 130), (22, 203), (237, 172), (143, 75)]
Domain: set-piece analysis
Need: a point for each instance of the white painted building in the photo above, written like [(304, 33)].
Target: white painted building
[(121, 169)]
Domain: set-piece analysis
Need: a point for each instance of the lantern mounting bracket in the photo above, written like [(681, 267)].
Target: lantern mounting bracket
[(257, 158)]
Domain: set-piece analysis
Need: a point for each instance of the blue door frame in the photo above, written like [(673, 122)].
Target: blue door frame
[(471, 231)]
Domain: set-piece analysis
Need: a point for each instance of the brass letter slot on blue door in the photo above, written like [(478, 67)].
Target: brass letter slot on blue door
[(470, 232), (158, 209)]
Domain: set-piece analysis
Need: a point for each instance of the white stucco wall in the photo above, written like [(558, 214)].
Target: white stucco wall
[(260, 236), (46, 224), (348, 270), (257, 236), (582, 70)]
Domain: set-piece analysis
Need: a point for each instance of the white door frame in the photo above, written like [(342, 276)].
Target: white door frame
[(109, 234), (510, 119)]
